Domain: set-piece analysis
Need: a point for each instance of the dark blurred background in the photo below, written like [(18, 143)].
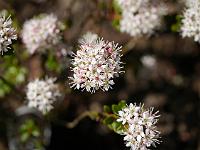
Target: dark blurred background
[(162, 70)]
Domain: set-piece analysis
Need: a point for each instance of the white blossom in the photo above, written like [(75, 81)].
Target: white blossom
[(191, 20), (41, 94), (190, 3), (41, 33), (140, 17), (131, 5), (140, 126), (7, 33), (95, 64)]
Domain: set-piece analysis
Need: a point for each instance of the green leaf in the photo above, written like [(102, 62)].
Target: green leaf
[(108, 120), (115, 109), (118, 107), (122, 104), (4, 89), (29, 127), (117, 127), (24, 137), (36, 133), (117, 15), (110, 126), (52, 64), (177, 25), (30, 123), (116, 7), (107, 109), (116, 24)]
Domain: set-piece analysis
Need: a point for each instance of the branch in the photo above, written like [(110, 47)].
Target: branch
[(91, 114), (97, 116)]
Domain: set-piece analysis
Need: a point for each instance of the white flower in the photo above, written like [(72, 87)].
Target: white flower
[(191, 3), (124, 117), (42, 94), (95, 64), (140, 17), (191, 20), (131, 5), (7, 33), (140, 126), (41, 33)]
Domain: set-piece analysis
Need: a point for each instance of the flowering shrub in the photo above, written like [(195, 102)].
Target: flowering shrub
[(95, 64), (162, 69), (7, 33), (190, 22), (42, 94), (140, 124), (137, 124), (41, 33), (139, 17)]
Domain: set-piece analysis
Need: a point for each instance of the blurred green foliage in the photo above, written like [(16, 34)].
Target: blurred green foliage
[(12, 72), (29, 129), (116, 7), (177, 25), (52, 64), (117, 15)]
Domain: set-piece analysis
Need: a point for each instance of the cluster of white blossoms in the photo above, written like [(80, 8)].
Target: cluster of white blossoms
[(191, 20), (41, 94), (7, 33), (95, 64), (41, 33), (140, 126), (141, 17)]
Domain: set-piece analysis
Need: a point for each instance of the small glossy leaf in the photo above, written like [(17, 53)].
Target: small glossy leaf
[(115, 109), (116, 125), (122, 104), (108, 120)]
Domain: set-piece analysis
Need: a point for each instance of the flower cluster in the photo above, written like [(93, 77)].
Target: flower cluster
[(140, 126), (141, 17), (7, 33), (190, 22), (41, 33), (95, 64), (42, 94)]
